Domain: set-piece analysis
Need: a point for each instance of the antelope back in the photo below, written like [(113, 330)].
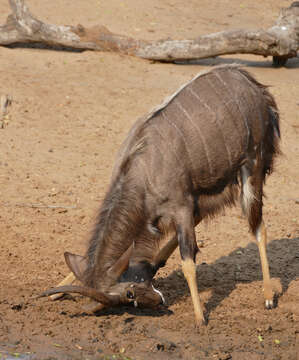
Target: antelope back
[(203, 132)]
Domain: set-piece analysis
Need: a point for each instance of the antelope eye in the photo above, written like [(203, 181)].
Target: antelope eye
[(130, 294)]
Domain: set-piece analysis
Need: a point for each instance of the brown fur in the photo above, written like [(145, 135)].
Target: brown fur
[(157, 153), (181, 164)]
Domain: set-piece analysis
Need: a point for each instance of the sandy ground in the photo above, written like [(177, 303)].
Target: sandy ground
[(69, 115)]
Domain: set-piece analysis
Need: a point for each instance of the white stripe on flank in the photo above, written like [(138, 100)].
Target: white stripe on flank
[(199, 131), (219, 126), (179, 131), (167, 141), (238, 105)]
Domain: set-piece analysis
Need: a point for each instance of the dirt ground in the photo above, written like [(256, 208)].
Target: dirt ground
[(69, 115)]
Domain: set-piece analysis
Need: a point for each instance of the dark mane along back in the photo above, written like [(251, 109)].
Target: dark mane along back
[(113, 231)]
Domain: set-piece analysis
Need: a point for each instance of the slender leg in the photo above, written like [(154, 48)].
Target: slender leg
[(252, 204), (69, 279), (261, 237), (189, 270), (169, 248), (188, 250)]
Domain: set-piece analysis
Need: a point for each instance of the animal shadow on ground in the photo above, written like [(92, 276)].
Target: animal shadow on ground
[(222, 277), (240, 266)]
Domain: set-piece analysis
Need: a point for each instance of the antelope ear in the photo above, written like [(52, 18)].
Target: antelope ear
[(77, 264)]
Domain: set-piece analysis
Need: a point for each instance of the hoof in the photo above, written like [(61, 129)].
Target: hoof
[(199, 323), (269, 304), (271, 293)]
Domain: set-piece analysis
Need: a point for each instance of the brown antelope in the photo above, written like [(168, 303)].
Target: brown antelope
[(182, 163)]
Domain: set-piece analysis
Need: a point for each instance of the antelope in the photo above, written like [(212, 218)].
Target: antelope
[(211, 142)]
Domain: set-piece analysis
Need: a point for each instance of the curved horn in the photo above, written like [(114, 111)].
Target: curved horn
[(121, 264), (107, 300)]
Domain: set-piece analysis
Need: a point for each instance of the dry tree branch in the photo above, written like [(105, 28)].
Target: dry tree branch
[(280, 41)]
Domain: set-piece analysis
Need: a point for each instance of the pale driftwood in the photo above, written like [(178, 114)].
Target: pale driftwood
[(280, 41)]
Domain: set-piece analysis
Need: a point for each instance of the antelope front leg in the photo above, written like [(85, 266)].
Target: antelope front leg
[(189, 270), (188, 250), (66, 281)]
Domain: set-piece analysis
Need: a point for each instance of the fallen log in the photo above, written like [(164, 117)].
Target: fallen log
[(280, 41)]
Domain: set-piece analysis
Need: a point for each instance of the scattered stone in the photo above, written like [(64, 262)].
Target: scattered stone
[(17, 307), (166, 345)]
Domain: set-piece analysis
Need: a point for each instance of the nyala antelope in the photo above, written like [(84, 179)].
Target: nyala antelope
[(212, 141)]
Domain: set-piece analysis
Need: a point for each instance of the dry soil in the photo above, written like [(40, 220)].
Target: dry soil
[(69, 114)]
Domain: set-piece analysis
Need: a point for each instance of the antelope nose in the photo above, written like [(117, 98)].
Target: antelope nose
[(130, 294)]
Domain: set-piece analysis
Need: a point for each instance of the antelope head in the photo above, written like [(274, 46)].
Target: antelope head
[(119, 288)]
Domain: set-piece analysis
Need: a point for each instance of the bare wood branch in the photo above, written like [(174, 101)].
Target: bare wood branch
[(280, 41)]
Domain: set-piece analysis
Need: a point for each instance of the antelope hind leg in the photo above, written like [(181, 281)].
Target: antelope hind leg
[(261, 237), (252, 204)]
